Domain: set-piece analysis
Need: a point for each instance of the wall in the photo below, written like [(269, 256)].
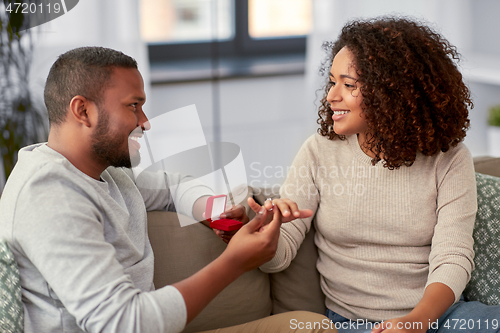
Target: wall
[(268, 117), (481, 70)]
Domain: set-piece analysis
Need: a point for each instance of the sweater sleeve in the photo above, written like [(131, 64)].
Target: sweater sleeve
[(452, 254), (300, 186), (59, 228), (169, 191)]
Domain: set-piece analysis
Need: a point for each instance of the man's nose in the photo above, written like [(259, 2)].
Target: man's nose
[(144, 122), (146, 126)]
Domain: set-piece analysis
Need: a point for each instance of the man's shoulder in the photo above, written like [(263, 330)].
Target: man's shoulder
[(41, 172), (39, 162), (39, 183)]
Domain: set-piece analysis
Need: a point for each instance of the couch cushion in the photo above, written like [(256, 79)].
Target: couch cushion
[(484, 285), (297, 287), (182, 251), (11, 307)]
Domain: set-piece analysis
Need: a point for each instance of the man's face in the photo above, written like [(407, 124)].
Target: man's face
[(121, 120)]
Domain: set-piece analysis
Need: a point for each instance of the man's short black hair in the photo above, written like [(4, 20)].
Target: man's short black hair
[(83, 71)]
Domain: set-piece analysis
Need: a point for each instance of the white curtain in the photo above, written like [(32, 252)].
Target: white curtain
[(108, 23)]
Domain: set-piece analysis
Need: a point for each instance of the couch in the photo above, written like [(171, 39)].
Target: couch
[(181, 251)]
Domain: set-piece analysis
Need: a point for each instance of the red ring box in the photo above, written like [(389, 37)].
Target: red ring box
[(226, 224), (216, 205)]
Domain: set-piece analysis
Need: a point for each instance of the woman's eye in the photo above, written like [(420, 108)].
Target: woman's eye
[(350, 85), (331, 83)]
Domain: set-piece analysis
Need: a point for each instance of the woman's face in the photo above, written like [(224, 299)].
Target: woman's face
[(345, 97)]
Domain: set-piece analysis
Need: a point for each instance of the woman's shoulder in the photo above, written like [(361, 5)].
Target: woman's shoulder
[(319, 150), (458, 153), (457, 157)]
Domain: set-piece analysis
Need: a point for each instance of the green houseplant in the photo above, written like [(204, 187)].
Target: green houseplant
[(21, 121), (494, 131), (494, 116)]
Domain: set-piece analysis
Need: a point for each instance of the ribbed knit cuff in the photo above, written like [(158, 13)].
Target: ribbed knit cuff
[(449, 275), (277, 264)]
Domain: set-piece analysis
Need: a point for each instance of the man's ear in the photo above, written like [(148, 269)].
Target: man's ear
[(80, 109)]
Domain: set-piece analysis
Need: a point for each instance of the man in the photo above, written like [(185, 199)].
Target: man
[(76, 221)]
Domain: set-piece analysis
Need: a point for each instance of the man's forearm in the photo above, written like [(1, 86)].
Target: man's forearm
[(199, 289)]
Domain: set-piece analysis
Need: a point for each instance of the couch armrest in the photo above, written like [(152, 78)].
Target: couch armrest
[(487, 165)]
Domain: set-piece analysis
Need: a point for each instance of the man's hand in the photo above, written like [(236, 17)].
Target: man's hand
[(254, 245), (256, 242), (237, 213)]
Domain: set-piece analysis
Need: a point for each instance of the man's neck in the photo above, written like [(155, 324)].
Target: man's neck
[(77, 153)]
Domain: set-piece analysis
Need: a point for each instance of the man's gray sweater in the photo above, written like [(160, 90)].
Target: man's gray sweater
[(82, 247)]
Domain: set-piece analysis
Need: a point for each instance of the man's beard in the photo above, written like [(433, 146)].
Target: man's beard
[(106, 146)]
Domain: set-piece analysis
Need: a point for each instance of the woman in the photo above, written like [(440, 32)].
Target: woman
[(390, 185)]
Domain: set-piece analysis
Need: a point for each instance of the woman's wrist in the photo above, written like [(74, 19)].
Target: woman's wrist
[(437, 298)]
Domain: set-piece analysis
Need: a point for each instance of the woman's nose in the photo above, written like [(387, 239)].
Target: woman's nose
[(333, 95)]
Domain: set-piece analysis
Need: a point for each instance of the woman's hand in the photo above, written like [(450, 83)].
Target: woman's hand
[(288, 209), (406, 324), (437, 298)]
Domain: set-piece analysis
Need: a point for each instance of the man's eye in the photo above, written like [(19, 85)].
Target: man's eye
[(134, 105)]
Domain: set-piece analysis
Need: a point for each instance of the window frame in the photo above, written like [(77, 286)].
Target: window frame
[(241, 45)]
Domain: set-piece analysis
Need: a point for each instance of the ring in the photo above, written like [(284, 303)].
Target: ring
[(272, 203)]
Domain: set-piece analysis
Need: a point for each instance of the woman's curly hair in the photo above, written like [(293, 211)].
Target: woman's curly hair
[(414, 99)]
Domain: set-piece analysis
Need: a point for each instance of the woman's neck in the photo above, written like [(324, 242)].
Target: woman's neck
[(362, 141)]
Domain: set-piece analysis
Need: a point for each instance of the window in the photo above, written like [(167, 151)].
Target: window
[(180, 21), (194, 29), (279, 18)]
